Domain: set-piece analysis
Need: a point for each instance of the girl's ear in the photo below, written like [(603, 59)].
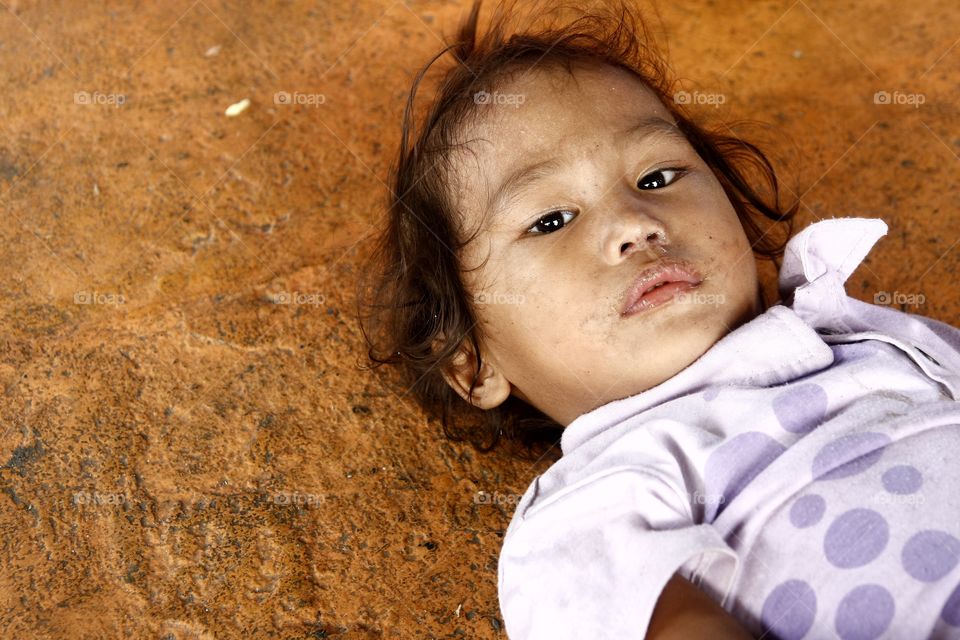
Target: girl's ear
[(492, 387)]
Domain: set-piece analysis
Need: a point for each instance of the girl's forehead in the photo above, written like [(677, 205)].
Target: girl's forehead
[(592, 82), (534, 115)]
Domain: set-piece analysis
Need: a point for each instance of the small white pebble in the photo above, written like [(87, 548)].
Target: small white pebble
[(458, 609), (798, 54), (96, 189), (237, 108), (212, 51)]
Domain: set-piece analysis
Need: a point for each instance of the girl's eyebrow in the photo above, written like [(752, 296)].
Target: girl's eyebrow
[(652, 125), (530, 174), (521, 179)]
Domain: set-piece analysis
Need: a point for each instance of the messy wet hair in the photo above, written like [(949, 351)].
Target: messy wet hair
[(414, 309)]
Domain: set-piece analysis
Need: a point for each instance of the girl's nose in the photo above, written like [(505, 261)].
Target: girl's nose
[(644, 234), (654, 239)]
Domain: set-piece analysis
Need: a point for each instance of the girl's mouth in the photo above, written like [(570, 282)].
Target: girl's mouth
[(660, 284)]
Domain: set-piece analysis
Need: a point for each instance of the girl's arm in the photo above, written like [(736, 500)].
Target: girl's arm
[(684, 612)]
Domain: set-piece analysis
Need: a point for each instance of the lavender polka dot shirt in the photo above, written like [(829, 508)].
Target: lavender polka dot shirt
[(804, 472)]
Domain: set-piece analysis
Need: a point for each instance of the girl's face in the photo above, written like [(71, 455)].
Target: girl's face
[(616, 188)]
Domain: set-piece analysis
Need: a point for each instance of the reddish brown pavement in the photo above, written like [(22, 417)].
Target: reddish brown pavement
[(187, 453)]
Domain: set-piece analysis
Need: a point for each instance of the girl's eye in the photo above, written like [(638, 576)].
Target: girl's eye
[(660, 178), (550, 222)]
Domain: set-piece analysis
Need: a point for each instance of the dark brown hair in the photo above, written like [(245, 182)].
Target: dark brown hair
[(415, 307)]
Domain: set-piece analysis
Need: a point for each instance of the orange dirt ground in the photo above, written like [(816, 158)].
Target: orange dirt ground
[(184, 458)]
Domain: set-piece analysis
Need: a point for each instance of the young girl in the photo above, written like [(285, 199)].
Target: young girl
[(568, 249)]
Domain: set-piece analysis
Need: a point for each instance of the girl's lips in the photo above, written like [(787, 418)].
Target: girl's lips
[(673, 276)]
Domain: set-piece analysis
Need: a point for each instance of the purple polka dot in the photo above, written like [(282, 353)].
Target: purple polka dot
[(849, 455), (929, 555), (733, 465), (711, 393), (951, 609), (902, 479), (855, 538), (864, 613), (802, 408), (807, 511), (789, 610)]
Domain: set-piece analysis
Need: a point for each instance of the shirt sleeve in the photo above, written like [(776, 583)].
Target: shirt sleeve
[(592, 562)]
